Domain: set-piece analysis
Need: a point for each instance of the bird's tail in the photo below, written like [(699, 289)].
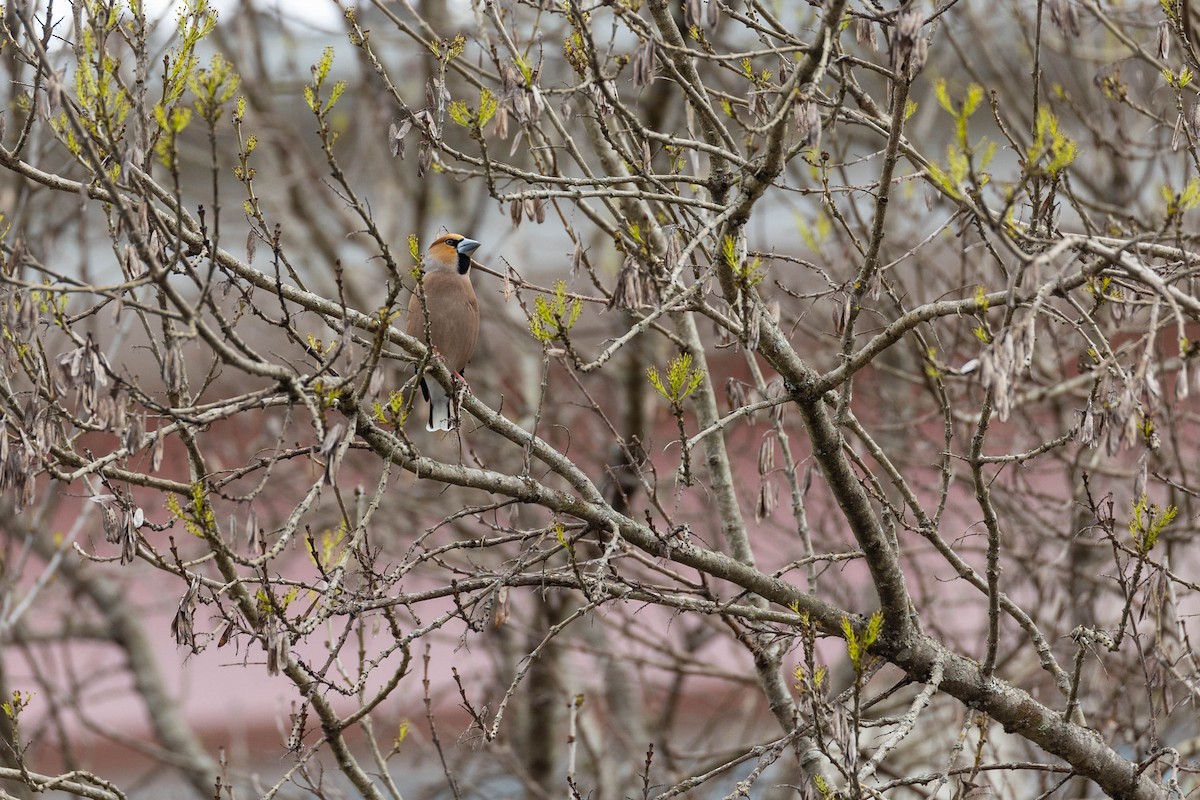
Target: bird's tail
[(441, 417)]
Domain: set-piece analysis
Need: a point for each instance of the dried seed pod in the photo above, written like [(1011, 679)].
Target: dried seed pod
[(865, 33), (645, 65), (768, 500), (156, 452), (777, 413), (774, 311), (841, 316), (536, 104), (919, 57), (750, 318), (396, 133), (576, 259), (129, 541), (1065, 17), (735, 393), (172, 368), (501, 611), (1153, 392), (600, 97), (1139, 478), (766, 455), (182, 627), (910, 50), (500, 126), (131, 439), (110, 522), (759, 106), (275, 641), (634, 289), (330, 451), (808, 123), (672, 252), (625, 293), (253, 533), (424, 157), (1089, 425)]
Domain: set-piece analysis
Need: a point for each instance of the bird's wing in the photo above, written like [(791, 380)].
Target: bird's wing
[(453, 317)]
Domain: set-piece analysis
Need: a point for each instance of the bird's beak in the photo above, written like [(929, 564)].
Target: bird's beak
[(467, 246)]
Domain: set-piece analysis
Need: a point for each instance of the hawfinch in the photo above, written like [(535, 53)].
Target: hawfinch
[(453, 319)]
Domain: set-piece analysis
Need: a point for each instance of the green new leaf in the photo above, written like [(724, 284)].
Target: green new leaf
[(553, 316), (1184, 200), (335, 94), (214, 86), (460, 113), (852, 647), (874, 628), (1052, 151), (816, 234), (488, 103), (322, 552), (266, 607), (174, 121), (1180, 82), (525, 70), (972, 100), (680, 379), (1148, 522), (981, 299), (970, 105), (195, 21), (942, 92), (402, 734), (729, 252), (943, 181), (748, 273), (856, 644), (960, 166), (395, 412), (13, 708), (321, 70)]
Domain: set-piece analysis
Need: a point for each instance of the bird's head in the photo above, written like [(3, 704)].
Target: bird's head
[(452, 251)]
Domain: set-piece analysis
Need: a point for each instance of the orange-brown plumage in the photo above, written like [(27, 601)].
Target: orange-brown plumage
[(453, 317)]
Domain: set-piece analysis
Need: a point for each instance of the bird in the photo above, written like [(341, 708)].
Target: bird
[(453, 319)]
